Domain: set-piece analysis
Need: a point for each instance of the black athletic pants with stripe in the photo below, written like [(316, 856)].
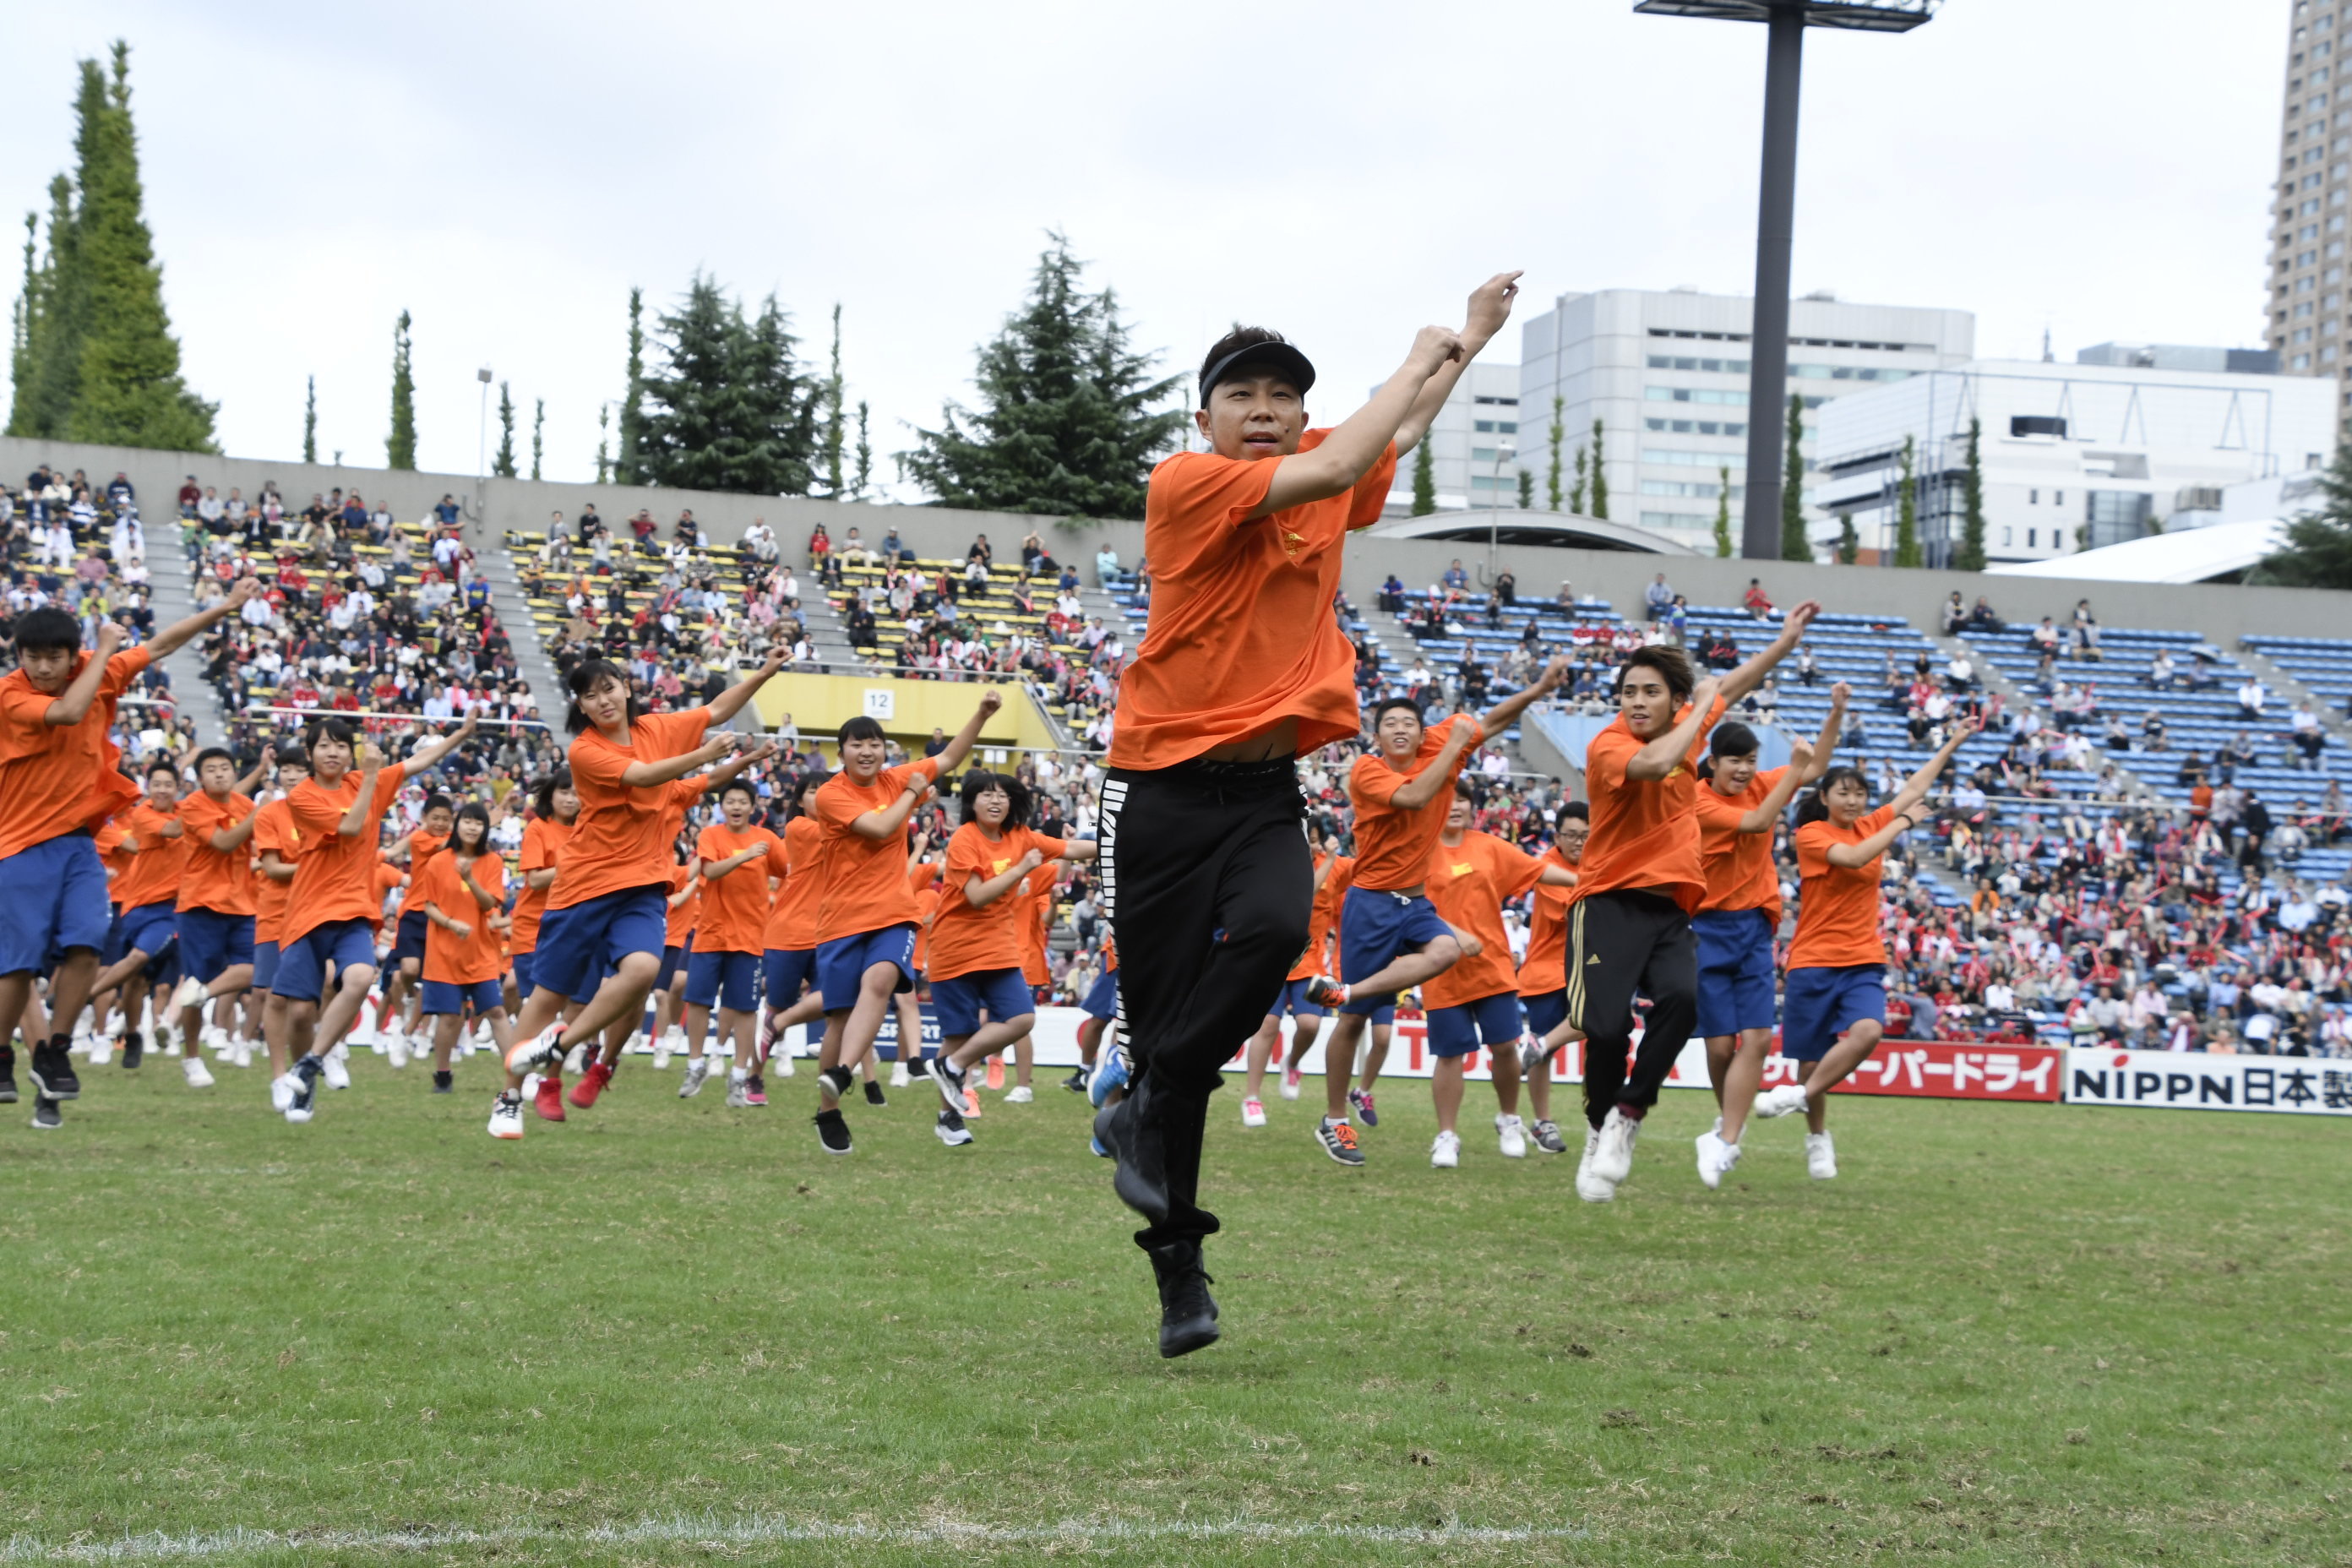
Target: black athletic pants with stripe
[(1619, 943), (1209, 883)]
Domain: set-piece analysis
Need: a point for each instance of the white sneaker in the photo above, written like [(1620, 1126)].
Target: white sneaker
[(1715, 1158), (506, 1116), (661, 1054), (337, 1075), (240, 1053), (1445, 1152), (1019, 1095), (1592, 1188), (216, 1038), (696, 1070), (1717, 1128), (1820, 1157), (780, 1065), (676, 1038), (898, 1078), (101, 1048), (575, 1062), (1253, 1111), (188, 993), (1512, 1134), (1612, 1157), (199, 1076), (528, 1056), (395, 1049), (1289, 1087), (1779, 1101), (282, 1090)]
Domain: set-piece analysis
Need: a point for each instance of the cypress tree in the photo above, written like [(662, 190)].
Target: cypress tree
[(1849, 544), (56, 304), (1424, 481), (1598, 477), (604, 454), (864, 457), (624, 467), (1722, 512), (400, 446), (131, 392), (310, 420), (1971, 555), (21, 374), (1065, 423), (1526, 490), (1906, 515), (502, 461), (538, 427), (1794, 545), (1576, 491), (833, 431), (1559, 430)]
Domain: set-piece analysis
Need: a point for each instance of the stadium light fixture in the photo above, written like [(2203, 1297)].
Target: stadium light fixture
[(1767, 383)]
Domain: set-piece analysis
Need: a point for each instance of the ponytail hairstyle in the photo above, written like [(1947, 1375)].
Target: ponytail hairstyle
[(1731, 738), (1814, 807), (1018, 800)]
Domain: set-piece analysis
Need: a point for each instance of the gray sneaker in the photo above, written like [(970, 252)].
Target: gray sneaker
[(1548, 1137), (738, 1094), (696, 1070)]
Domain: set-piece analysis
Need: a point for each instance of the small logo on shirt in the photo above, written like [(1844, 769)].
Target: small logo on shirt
[(1463, 867), (1593, 960), (1292, 543)]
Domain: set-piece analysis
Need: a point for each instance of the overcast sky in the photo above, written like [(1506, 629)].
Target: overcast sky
[(506, 172)]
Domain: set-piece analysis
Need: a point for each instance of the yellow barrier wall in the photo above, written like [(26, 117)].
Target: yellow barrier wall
[(907, 710)]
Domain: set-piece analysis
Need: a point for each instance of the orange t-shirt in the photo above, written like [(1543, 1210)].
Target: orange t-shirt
[(1837, 910), (927, 903), (449, 958), (865, 878), (1468, 883), (967, 941), (1737, 866), (381, 883), (735, 907), (1644, 831), (679, 924), (1392, 845), (791, 922), (214, 880), (1342, 878), (56, 779), (336, 880), (1320, 921), (157, 869), (422, 848), (1040, 890), (273, 830), (542, 842), (1545, 968), (622, 839), (1242, 634)]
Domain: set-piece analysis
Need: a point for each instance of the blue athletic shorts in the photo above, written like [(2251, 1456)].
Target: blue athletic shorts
[(264, 966), (729, 979), (783, 969), (1735, 971), (522, 973), (148, 927), (958, 1000), (1375, 928), (1823, 1003), (211, 943), (1546, 1011), (581, 944), (674, 961), (1102, 997), (1292, 999), (408, 941), (56, 899), (841, 963), (302, 965), (111, 952), (484, 996), (1456, 1031)]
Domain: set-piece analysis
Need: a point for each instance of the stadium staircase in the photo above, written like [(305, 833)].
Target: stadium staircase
[(2284, 683), (498, 568), (2015, 699), (174, 593)]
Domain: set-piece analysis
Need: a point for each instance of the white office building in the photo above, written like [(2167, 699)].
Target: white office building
[(1666, 374), (1473, 445), (2073, 456)]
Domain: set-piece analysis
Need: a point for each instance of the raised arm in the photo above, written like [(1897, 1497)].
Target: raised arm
[(1490, 306), (430, 755), (1421, 788), (884, 821), (170, 639), (1852, 857), (729, 702), (960, 747), (1750, 675), (356, 818), (1670, 749), (1501, 716), (1768, 811), (1833, 726), (258, 771), (1349, 452), (72, 705)]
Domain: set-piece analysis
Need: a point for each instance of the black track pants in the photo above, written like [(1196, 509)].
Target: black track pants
[(1619, 943)]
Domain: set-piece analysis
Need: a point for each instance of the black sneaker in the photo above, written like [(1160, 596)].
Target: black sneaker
[(47, 1117), (873, 1092), (1188, 1313), (7, 1075), (833, 1132), (306, 1097), (52, 1070), (1139, 1177), (831, 1084), (1076, 1082), (134, 1049), (444, 1082), (950, 1082), (952, 1130)]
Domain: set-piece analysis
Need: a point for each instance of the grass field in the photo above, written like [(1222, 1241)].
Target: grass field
[(667, 1332)]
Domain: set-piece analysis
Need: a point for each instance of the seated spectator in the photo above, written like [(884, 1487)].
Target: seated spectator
[(1981, 618), (1757, 602), (1954, 615), (1105, 565)]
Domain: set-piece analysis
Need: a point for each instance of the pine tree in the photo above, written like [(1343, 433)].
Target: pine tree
[(1723, 549), (502, 461), (1599, 475), (864, 457), (730, 409), (538, 427), (1526, 490), (603, 451), (1065, 423), (1559, 430), (1849, 544), (782, 408), (1424, 481), (1907, 514), (1971, 555), (834, 430), (131, 392), (1794, 545), (1576, 491), (633, 403), (400, 446), (2319, 552)]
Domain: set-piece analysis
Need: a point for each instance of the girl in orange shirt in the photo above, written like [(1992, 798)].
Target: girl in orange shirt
[(789, 960), (555, 806), (734, 860), (1834, 1003), (462, 893)]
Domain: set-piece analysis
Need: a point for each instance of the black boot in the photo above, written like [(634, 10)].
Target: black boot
[(7, 1075), (53, 1073), (134, 1049), (1188, 1313), (1140, 1179)]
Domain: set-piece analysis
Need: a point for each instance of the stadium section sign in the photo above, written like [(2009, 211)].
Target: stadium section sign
[(2179, 1080)]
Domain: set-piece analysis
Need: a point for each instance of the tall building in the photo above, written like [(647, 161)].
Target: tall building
[(1666, 374), (2314, 184), (1473, 445)]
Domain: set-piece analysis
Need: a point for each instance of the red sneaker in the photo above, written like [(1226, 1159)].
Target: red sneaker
[(550, 1103), (591, 1084)]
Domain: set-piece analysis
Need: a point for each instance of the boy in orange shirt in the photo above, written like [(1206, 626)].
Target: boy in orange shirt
[(1628, 917), (400, 1014), (149, 893), (1543, 975), (1207, 875), (1391, 937), (555, 806), (217, 904), (734, 860), (276, 846), (788, 965)]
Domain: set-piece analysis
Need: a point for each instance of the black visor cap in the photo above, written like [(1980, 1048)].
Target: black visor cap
[(1279, 357)]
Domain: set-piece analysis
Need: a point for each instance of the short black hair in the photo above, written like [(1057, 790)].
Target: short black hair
[(740, 783), (47, 628), (1380, 710), (334, 730), (434, 802), (472, 811), (1732, 739), (865, 727), (163, 766), (1576, 811), (1672, 669)]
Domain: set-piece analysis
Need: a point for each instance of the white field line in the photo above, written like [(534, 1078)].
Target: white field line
[(755, 1530)]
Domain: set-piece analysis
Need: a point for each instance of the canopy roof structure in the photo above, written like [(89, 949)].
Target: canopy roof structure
[(2224, 551)]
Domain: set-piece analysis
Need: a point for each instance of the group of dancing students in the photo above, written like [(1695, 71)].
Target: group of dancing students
[(1662, 886)]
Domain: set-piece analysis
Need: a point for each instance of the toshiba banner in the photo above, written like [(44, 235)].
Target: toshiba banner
[(2183, 1081)]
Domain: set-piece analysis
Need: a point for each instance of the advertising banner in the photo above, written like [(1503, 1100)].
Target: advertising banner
[(2189, 1081)]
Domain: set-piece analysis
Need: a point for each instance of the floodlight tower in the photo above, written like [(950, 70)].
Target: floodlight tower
[(1784, 55)]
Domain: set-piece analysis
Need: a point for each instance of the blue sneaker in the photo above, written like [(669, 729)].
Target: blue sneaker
[(1110, 1075), (1100, 1153)]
